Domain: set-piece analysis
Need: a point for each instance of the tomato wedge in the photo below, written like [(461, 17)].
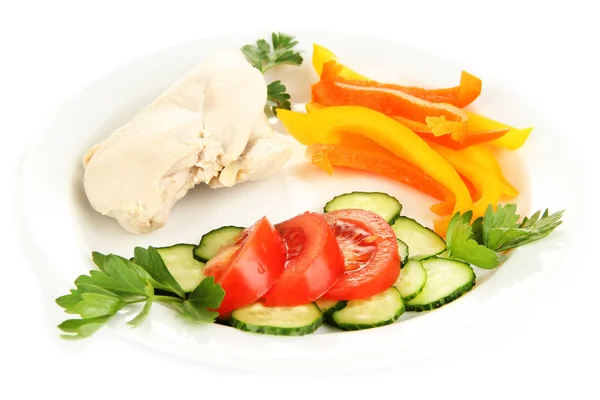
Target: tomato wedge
[(372, 263), (313, 264), (249, 267)]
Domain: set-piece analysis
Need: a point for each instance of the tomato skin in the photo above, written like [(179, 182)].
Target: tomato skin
[(248, 268), (314, 261), (382, 268)]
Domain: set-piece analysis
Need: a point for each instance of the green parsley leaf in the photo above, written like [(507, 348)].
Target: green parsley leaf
[(82, 328), (477, 228), (150, 260), (94, 305), (70, 301), (503, 232), (99, 259), (207, 295), (462, 245), (277, 97), (505, 217), (263, 57), (138, 319), (107, 282)]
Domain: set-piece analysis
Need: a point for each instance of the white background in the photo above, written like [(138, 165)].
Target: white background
[(50, 50)]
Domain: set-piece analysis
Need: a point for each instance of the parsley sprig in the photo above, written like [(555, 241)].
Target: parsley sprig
[(263, 56), (481, 242), (119, 283)]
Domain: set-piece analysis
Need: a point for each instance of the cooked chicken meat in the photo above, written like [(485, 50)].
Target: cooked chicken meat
[(208, 127)]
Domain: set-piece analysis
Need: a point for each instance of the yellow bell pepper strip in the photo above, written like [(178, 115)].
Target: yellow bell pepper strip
[(511, 141), (441, 118), (327, 126), (321, 55), (471, 138), (484, 156), (486, 184)]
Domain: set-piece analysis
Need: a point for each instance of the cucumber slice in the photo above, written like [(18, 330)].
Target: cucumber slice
[(286, 321), (215, 240), (447, 280), (382, 204), (328, 307), (422, 242), (179, 260), (412, 280), (382, 309), (402, 251)]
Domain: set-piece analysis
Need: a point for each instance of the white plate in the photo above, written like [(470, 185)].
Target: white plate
[(60, 228)]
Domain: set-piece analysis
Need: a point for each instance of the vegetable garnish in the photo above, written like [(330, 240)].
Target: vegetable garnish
[(462, 245), (471, 138), (511, 141), (119, 283), (497, 231), (441, 118), (361, 153), (263, 58), (327, 125)]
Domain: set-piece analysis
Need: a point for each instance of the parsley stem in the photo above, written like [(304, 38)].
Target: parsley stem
[(168, 298), (136, 301)]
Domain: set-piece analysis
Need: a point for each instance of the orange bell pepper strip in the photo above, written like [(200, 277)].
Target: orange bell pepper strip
[(333, 90), (471, 138), (326, 126), (358, 152), (460, 96), (514, 139)]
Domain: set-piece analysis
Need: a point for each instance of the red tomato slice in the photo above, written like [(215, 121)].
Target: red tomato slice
[(313, 264), (371, 255), (249, 267)]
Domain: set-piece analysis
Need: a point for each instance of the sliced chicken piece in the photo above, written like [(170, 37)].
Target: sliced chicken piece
[(264, 155), (208, 120)]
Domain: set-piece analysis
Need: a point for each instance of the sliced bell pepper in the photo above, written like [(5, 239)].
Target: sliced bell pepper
[(358, 152), (333, 90), (489, 188), (326, 126), (321, 55), (484, 156), (361, 153), (511, 141), (471, 138), (459, 96)]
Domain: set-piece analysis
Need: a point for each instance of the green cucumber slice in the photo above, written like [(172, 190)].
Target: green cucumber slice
[(422, 242), (412, 280), (402, 252), (215, 240), (447, 280), (285, 321), (382, 204), (382, 309), (179, 260), (328, 307)]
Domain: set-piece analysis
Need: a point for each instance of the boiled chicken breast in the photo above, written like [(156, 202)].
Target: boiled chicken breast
[(209, 127)]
